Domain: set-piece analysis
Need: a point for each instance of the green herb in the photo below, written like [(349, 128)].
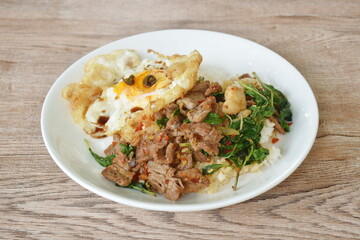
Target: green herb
[(213, 119), (210, 169), (205, 153), (279, 103), (162, 122), (184, 144), (142, 187), (200, 79), (187, 120), (174, 113), (245, 148), (103, 161), (260, 154), (127, 149), (218, 94)]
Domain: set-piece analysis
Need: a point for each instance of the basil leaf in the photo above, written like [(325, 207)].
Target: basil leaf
[(186, 120), (260, 154), (162, 122), (210, 169), (176, 112), (203, 152), (213, 119), (142, 187), (103, 161), (127, 149)]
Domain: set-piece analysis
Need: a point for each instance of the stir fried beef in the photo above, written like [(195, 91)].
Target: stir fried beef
[(170, 153), (201, 86), (200, 157), (119, 172), (169, 110), (186, 160), (213, 88), (193, 180), (143, 153), (199, 113), (166, 159), (203, 136), (190, 101), (162, 179), (173, 126)]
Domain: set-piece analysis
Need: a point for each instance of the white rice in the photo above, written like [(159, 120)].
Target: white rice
[(225, 174), (267, 131)]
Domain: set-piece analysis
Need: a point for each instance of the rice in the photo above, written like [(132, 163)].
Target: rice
[(225, 174), (267, 131)]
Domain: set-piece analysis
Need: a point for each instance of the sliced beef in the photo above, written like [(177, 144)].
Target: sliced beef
[(169, 109), (157, 146), (114, 147), (170, 153), (152, 147), (173, 126), (190, 101), (119, 172), (162, 179), (214, 88), (174, 189), (159, 115), (199, 113), (200, 157), (203, 136), (201, 86), (193, 180), (143, 153), (159, 156), (218, 109), (186, 160)]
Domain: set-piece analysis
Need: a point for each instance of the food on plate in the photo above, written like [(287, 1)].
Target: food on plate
[(175, 132)]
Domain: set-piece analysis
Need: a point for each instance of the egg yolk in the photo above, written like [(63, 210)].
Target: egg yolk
[(138, 88)]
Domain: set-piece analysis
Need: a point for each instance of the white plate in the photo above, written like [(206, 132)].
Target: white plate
[(232, 55)]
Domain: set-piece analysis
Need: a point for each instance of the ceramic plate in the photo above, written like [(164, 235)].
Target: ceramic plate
[(223, 55)]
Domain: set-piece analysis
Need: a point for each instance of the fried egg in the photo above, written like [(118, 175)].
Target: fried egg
[(132, 90)]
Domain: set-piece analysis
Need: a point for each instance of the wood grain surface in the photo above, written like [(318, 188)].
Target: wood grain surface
[(40, 39)]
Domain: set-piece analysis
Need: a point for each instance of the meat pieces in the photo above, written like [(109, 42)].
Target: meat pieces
[(190, 101), (199, 113), (170, 109), (114, 148), (200, 157), (120, 174), (170, 153), (193, 180), (213, 88), (143, 153), (203, 136), (173, 126), (152, 147), (186, 160), (201, 86), (162, 179)]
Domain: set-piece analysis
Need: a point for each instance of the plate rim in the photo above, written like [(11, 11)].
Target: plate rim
[(173, 207)]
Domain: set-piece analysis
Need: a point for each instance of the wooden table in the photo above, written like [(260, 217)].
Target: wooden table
[(40, 39)]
